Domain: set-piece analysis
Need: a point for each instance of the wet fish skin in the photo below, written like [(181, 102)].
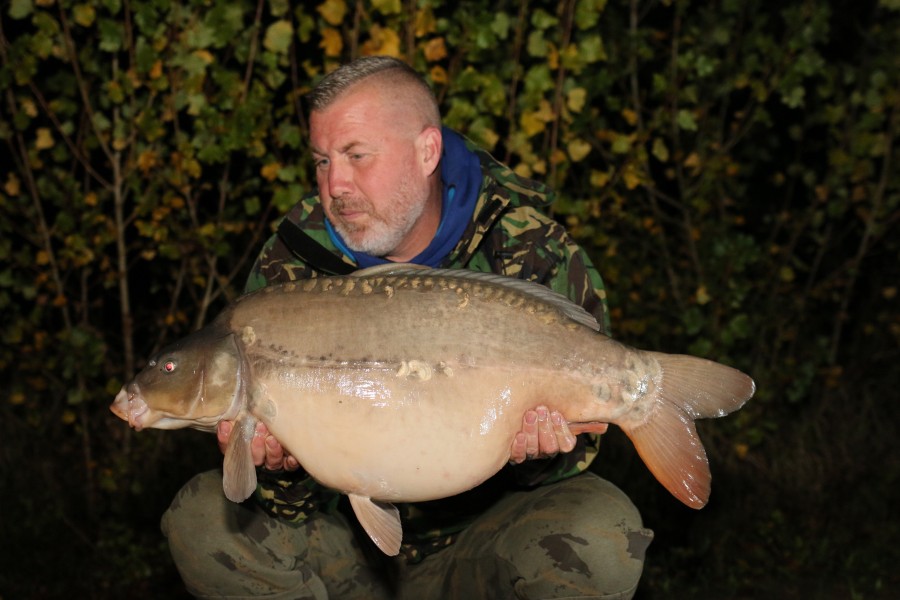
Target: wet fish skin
[(401, 384)]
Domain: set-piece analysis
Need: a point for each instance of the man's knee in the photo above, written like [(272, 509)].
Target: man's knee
[(584, 538), (197, 506)]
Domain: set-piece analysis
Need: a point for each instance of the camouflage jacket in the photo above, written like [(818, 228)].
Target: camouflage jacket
[(508, 234)]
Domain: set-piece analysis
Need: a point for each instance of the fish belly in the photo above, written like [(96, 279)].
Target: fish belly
[(393, 436)]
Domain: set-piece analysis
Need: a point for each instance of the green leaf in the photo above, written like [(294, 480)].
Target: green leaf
[(591, 50), (686, 120), (659, 150), (279, 8), (278, 37), (587, 13), (84, 14), (501, 25), (110, 35), (387, 7), (19, 9), (541, 19)]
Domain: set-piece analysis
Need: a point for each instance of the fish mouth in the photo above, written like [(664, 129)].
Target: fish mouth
[(130, 406)]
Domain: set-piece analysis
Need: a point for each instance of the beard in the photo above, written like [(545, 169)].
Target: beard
[(379, 233)]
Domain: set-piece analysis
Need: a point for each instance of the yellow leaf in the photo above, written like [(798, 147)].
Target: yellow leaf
[(332, 42), (333, 11), (557, 157), (425, 22), (270, 171), (29, 107), (90, 199), (191, 167), (156, 70), (531, 123), (387, 7), (523, 170), (382, 41), (439, 75), (17, 398), (536, 121), (692, 161), (599, 178), (631, 178), (44, 139), (13, 186), (703, 295), (435, 49), (84, 14), (630, 116), (278, 36), (578, 149), (147, 160), (204, 55), (68, 416), (576, 99)]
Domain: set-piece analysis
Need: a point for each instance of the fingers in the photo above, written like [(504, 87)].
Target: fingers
[(223, 432), (518, 454), (564, 436), (264, 448), (544, 434), (547, 442)]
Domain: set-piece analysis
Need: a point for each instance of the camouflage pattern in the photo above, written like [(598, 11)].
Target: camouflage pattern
[(579, 538), (509, 235)]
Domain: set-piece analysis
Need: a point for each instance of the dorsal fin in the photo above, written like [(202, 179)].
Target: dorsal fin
[(531, 289), (390, 269)]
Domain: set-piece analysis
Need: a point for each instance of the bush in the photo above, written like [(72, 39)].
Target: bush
[(730, 166)]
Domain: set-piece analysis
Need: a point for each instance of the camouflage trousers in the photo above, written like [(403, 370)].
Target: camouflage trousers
[(579, 538)]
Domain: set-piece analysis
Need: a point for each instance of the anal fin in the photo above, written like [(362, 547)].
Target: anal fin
[(381, 520)]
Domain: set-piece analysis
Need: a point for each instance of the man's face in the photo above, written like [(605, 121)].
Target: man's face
[(372, 179)]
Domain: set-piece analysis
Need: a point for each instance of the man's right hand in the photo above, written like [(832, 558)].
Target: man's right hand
[(265, 449)]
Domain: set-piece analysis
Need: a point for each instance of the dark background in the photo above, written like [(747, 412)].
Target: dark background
[(731, 167)]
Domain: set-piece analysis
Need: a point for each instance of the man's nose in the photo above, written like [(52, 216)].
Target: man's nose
[(340, 179)]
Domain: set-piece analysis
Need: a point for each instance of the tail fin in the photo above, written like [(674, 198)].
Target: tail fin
[(691, 388)]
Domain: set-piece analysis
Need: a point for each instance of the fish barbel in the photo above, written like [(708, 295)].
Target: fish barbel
[(403, 384)]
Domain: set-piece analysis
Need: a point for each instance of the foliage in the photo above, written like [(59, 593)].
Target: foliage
[(731, 166)]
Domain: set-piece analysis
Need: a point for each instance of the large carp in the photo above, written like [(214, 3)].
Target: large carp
[(398, 384)]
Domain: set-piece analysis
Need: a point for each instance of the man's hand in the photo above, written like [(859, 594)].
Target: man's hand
[(545, 433), (265, 449)]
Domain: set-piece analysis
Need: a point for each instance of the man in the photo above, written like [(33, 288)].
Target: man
[(393, 186)]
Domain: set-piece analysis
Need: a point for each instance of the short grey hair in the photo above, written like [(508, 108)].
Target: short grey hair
[(385, 70)]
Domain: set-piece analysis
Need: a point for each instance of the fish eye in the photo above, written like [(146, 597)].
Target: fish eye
[(169, 366)]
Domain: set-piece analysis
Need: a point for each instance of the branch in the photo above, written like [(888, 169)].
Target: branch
[(568, 19), (82, 87)]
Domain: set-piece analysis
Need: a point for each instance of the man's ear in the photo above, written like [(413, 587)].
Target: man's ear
[(430, 143)]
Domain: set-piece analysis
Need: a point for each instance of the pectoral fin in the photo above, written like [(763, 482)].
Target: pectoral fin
[(381, 520), (238, 471)]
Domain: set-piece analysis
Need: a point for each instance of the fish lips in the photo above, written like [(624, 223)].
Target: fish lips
[(130, 406)]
